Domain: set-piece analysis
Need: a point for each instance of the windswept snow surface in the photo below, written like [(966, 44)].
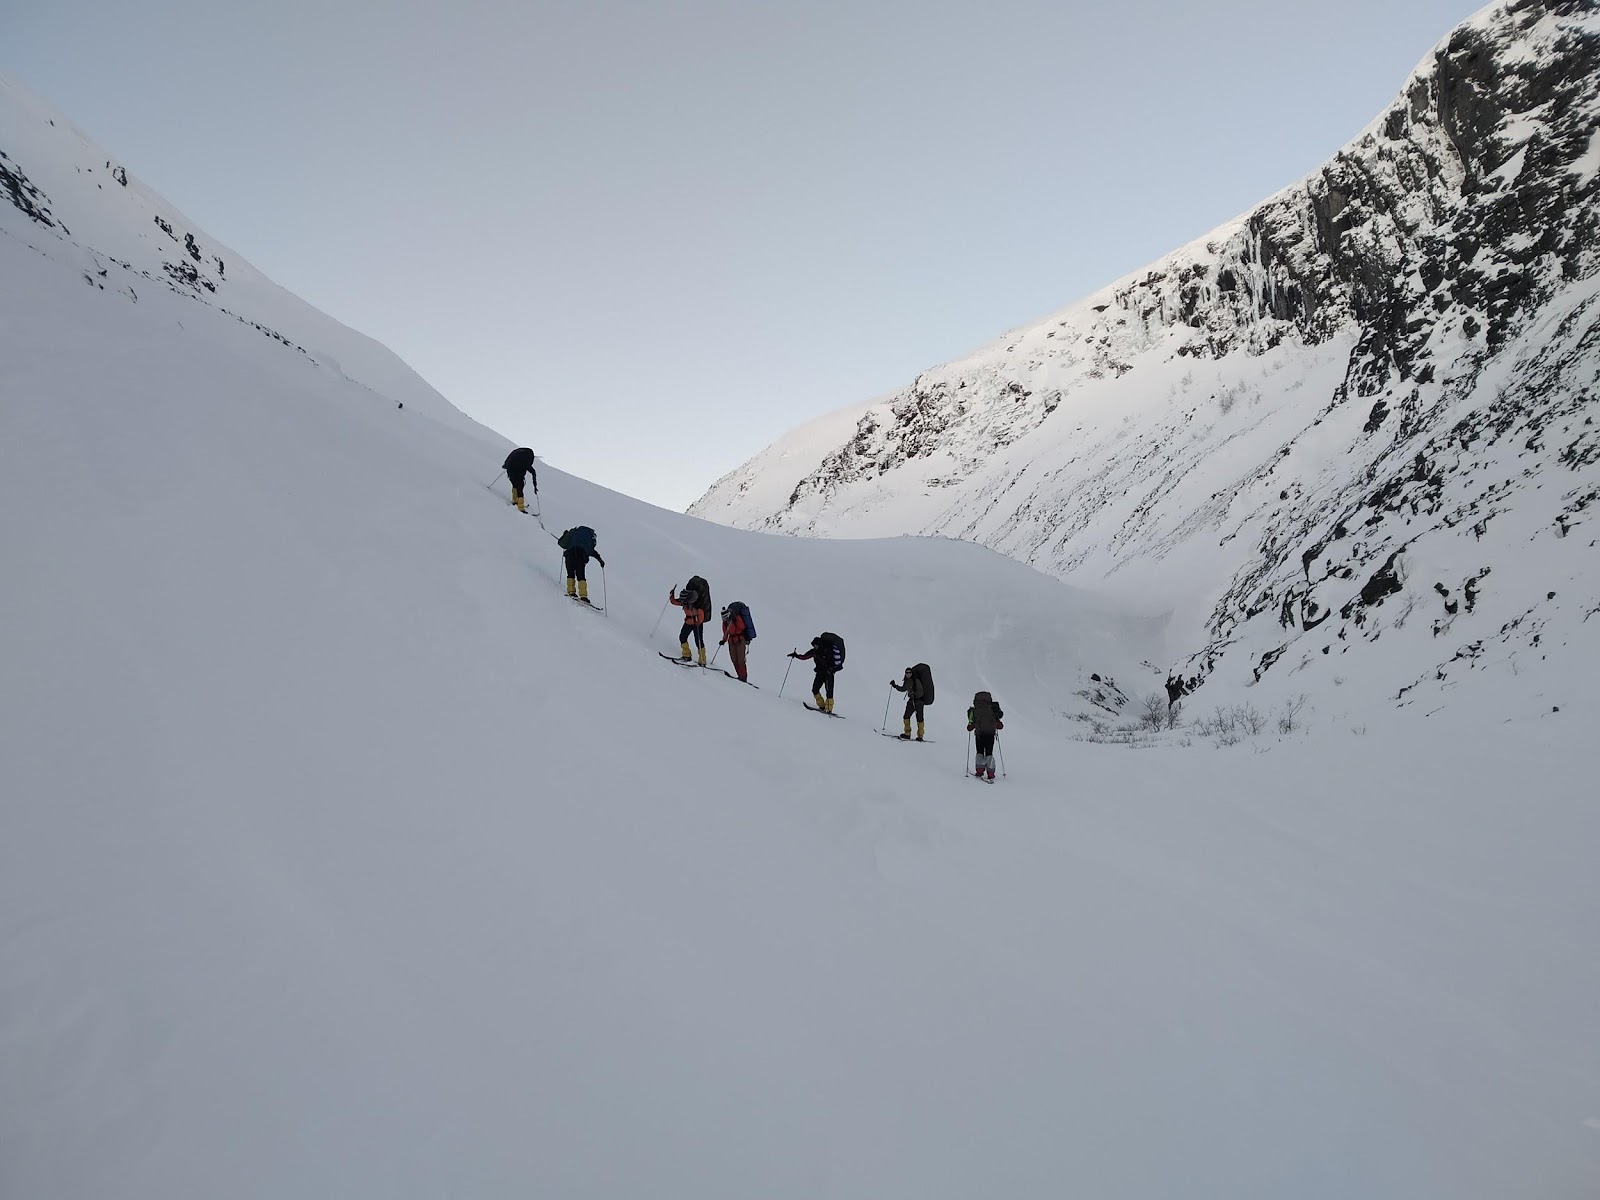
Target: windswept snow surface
[(341, 855)]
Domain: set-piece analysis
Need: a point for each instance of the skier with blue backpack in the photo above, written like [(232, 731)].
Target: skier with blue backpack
[(577, 548), (738, 631)]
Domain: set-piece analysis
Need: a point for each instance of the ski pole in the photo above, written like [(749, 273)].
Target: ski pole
[(786, 671), (657, 627), (884, 728), (1001, 752), (490, 484), (967, 769), (715, 653), (605, 604)]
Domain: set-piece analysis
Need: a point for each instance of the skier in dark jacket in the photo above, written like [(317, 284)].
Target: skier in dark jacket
[(519, 463), (825, 658), (916, 698), (984, 718), (577, 559)]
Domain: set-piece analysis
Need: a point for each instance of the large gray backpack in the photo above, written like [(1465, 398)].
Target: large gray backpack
[(924, 674)]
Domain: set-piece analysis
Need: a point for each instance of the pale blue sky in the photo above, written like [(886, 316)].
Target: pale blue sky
[(647, 238)]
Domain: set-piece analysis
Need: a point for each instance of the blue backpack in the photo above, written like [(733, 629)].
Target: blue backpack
[(743, 609), (579, 538)]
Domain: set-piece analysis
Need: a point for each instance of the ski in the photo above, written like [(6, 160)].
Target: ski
[(586, 603), (898, 738), (823, 711), (688, 662), (746, 682)]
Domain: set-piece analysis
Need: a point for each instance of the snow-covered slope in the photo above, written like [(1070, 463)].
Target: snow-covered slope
[(84, 208), (340, 855), (1364, 409)]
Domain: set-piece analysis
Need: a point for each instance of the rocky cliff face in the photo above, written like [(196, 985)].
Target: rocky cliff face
[(1369, 399)]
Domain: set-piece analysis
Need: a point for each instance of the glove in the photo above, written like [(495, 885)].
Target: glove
[(723, 642), (999, 725), (969, 726)]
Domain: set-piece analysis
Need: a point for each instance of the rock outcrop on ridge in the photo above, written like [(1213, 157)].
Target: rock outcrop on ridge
[(1367, 405)]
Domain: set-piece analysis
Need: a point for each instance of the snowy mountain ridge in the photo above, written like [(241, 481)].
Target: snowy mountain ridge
[(1368, 400), (125, 238)]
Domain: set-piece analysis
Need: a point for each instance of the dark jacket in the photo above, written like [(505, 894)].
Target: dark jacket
[(520, 462), (576, 556), (912, 686), (822, 656)]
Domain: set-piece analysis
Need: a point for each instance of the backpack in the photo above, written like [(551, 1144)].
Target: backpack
[(743, 610), (983, 717), (580, 537), (830, 650), (924, 673), (702, 591)]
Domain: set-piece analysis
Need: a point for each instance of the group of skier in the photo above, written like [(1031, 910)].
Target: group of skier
[(827, 653)]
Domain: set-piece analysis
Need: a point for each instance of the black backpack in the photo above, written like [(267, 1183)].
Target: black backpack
[(925, 674), (702, 591), (830, 651), (983, 712)]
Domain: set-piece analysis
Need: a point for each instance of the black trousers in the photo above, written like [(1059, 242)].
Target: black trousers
[(576, 561), (822, 684), (518, 478), (985, 741), (913, 706), (699, 634)]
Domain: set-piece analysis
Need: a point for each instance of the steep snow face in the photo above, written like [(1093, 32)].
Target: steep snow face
[(80, 205), (1364, 409)]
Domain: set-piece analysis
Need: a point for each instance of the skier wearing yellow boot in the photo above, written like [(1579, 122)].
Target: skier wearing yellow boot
[(519, 463), (918, 687), (577, 548), (827, 655), (695, 600)]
